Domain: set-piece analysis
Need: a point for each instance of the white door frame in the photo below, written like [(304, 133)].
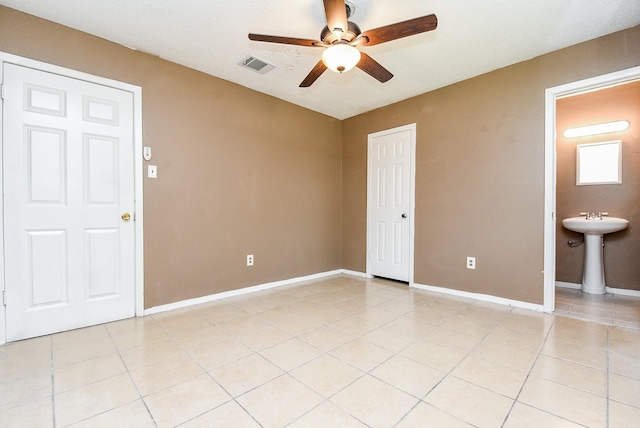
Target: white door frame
[(551, 95), (136, 91), (412, 193)]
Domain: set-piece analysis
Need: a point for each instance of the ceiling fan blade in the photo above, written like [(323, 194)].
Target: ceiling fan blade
[(371, 67), (399, 30), (336, 12), (314, 74), (285, 40)]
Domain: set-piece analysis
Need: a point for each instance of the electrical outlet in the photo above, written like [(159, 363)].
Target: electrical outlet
[(471, 262), (249, 259)]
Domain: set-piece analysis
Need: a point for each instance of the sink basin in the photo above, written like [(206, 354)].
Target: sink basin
[(595, 226), (594, 229)]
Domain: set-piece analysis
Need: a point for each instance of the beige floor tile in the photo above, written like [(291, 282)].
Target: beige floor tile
[(150, 353), (624, 366), (401, 308), (245, 374), (75, 353), (154, 377), (624, 390), (93, 399), (523, 416), (279, 402), (25, 389), (571, 374), (411, 326), (426, 415), (80, 374), (495, 377), (361, 354), (515, 338), (263, 337), (434, 355), (625, 342), (490, 314), (38, 349), (354, 326), (579, 332), (242, 325), (290, 354), (134, 414), (185, 401), (220, 353), (582, 354), (468, 326), (327, 415), (137, 337), (430, 315), (222, 313), (452, 339), (295, 324), (326, 314), (33, 414), (79, 337), (227, 415), (326, 338), (408, 375), (528, 321), (326, 375), (208, 335), (377, 315), (623, 416), (569, 403), (470, 403), (184, 324), (389, 339), (374, 402)]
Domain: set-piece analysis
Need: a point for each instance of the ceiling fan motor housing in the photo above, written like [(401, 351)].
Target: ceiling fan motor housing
[(329, 37)]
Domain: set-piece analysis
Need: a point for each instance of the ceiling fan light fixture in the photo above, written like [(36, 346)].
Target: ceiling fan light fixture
[(340, 57)]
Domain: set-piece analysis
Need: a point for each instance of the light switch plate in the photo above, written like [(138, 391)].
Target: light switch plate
[(146, 153), (152, 171)]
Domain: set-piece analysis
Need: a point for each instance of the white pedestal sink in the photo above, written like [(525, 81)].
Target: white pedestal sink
[(594, 228)]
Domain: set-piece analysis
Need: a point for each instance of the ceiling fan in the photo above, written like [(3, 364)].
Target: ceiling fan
[(341, 39)]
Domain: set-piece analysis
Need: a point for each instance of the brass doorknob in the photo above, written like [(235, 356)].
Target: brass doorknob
[(126, 216)]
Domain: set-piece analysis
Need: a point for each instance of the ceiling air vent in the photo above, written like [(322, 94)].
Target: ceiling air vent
[(256, 64)]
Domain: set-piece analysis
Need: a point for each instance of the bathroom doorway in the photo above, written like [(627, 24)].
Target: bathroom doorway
[(555, 212)]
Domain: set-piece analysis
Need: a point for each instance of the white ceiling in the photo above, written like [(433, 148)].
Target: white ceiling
[(473, 37)]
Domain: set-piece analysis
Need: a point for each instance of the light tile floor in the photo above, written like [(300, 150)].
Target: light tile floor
[(338, 352), (612, 309)]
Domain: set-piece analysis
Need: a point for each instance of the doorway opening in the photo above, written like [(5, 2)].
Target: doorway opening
[(550, 219)]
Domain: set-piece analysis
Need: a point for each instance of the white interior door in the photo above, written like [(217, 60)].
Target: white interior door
[(68, 171), (390, 203)]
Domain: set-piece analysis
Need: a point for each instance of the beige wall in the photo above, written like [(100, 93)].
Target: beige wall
[(480, 170), (239, 172), (620, 200)]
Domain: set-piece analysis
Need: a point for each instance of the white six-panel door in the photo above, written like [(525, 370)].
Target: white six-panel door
[(390, 203), (68, 177)]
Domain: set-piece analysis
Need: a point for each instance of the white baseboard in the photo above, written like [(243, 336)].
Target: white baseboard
[(238, 292), (612, 290), (354, 273), (482, 297), (571, 285)]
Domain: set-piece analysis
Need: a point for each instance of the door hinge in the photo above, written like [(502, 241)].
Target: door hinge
[(4, 298), (2, 91)]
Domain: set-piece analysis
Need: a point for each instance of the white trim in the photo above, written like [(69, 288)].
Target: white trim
[(238, 292), (412, 194), (481, 297), (611, 290), (551, 95), (355, 273), (136, 91), (571, 285)]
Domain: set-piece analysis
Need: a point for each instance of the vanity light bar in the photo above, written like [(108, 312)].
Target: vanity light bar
[(601, 128)]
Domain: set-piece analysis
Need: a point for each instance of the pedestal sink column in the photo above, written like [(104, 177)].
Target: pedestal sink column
[(593, 270)]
